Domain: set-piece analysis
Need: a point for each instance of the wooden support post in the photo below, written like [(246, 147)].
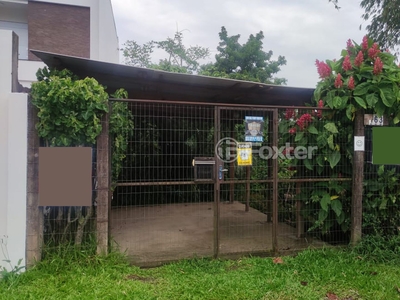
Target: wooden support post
[(358, 176), (275, 184), (103, 186), (34, 213), (299, 217), (248, 176), (270, 173)]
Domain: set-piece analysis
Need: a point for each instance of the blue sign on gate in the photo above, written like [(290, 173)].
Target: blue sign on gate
[(254, 129)]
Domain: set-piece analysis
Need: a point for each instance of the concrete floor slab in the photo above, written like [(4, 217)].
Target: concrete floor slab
[(151, 234)]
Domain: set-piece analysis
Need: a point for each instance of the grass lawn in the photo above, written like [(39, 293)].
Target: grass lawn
[(312, 274)]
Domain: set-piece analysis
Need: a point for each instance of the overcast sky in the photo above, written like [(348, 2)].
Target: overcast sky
[(302, 31)]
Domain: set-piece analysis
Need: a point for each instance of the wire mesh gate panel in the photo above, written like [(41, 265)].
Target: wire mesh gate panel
[(186, 189), (245, 189), (159, 212)]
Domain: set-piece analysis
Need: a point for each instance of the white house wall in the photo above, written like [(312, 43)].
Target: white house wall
[(13, 16), (108, 40), (13, 159), (27, 71), (14, 12), (5, 88), (3, 159), (17, 166)]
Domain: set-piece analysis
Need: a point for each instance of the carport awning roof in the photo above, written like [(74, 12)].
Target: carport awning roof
[(152, 84)]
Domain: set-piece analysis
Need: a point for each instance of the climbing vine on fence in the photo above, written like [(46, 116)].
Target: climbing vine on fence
[(326, 143), (121, 128), (69, 114), (69, 109)]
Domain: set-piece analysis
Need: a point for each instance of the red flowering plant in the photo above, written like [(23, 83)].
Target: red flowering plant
[(325, 205), (309, 128), (365, 77), (313, 129)]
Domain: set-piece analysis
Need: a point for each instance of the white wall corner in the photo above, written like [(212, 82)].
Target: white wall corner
[(13, 154), (7, 42), (27, 71), (17, 175), (108, 39), (5, 89)]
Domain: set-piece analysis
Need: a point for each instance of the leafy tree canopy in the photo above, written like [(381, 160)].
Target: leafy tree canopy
[(244, 61), (180, 58), (385, 21), (234, 60)]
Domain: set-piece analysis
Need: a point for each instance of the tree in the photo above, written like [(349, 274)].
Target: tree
[(385, 21), (180, 58), (138, 55), (245, 62), (234, 60), (336, 3)]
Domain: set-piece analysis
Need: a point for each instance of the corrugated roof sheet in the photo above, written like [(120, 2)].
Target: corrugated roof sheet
[(152, 84)]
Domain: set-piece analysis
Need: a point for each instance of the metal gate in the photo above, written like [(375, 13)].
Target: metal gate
[(246, 199), (187, 188)]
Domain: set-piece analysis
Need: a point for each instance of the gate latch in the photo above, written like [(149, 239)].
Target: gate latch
[(220, 173)]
